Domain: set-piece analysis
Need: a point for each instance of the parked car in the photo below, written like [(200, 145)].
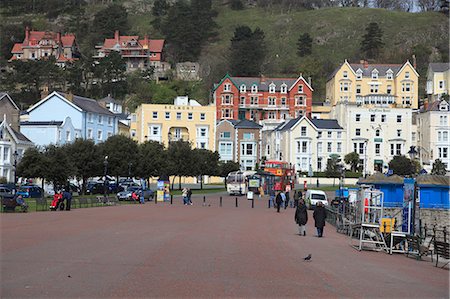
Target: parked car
[(95, 188), (126, 194), (5, 192), (148, 194), (30, 191), (314, 196)]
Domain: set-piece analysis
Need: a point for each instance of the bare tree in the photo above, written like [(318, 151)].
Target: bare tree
[(429, 5)]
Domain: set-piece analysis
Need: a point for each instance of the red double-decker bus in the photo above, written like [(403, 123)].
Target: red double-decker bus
[(284, 174)]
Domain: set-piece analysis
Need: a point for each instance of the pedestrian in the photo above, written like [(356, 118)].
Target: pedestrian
[(68, 197), (278, 201), (189, 194), (184, 193), (271, 198), (320, 214), (141, 196), (301, 217), (283, 198), (288, 199), (297, 197)]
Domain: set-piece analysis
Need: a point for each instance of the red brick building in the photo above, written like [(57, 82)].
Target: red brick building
[(261, 98)]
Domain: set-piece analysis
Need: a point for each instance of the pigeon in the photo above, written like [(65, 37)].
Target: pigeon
[(69, 276), (308, 258)]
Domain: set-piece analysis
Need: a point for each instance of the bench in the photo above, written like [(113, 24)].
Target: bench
[(441, 249), (41, 204), (416, 248), (83, 201), (9, 204)]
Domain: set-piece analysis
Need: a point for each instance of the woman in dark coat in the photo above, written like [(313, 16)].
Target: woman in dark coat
[(278, 201), (320, 214), (301, 217)]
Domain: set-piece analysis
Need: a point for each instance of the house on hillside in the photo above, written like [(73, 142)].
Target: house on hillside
[(61, 118), (268, 100), (438, 80), (44, 44), (139, 54)]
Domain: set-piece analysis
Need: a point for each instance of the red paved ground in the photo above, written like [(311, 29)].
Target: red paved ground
[(196, 251)]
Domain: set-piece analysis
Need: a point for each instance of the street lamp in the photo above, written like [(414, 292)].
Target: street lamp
[(365, 158), (412, 152), (105, 163), (15, 155)]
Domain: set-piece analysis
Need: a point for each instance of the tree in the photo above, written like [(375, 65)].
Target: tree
[(438, 168), (428, 5), (32, 164), (108, 20), (9, 35), (236, 5), (179, 157), (159, 10), (332, 170), (352, 159), (403, 166), (247, 51), (58, 166), (372, 43), (86, 159), (111, 73), (152, 158), (225, 167), (304, 45), (204, 163)]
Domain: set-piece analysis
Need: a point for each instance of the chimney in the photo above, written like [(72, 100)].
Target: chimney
[(58, 37), (69, 96), (27, 33), (116, 36), (425, 104), (44, 92), (361, 61), (309, 81), (366, 64), (262, 79), (414, 61)]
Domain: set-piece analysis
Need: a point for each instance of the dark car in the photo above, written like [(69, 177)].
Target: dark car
[(5, 192), (96, 188), (30, 191)]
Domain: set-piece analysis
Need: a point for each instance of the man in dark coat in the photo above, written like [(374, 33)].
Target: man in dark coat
[(278, 201), (68, 197), (320, 214), (301, 217)]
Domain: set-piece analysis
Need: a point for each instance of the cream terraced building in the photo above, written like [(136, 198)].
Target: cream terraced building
[(438, 80)]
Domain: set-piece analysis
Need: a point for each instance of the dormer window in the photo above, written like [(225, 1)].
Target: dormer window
[(345, 74), (407, 76), (227, 87), (300, 89), (374, 74), (359, 74), (243, 88), (283, 88), (443, 106), (254, 88), (389, 75), (272, 88)]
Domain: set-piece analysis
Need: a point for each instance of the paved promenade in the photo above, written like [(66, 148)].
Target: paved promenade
[(196, 251)]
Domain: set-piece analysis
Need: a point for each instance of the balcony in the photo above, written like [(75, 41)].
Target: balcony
[(264, 106), (372, 99)]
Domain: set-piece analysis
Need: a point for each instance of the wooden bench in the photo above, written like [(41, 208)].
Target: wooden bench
[(9, 204), (416, 248), (441, 249)]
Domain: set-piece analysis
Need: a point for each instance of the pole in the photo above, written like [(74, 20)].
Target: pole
[(253, 203), (221, 201), (171, 198), (236, 202), (204, 200)]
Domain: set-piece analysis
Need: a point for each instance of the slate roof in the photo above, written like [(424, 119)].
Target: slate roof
[(5, 95), (20, 136), (367, 72), (154, 45), (87, 104), (263, 85), (287, 125), (326, 123), (439, 66), (41, 123), (433, 106), (247, 124)]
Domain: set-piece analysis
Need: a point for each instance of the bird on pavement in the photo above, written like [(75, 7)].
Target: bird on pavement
[(308, 258)]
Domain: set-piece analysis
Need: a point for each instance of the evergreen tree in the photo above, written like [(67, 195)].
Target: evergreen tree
[(159, 10), (402, 165), (372, 43), (108, 20), (304, 45), (237, 5), (352, 159), (247, 51)]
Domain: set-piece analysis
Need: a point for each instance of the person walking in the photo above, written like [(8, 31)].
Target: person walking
[(68, 197), (320, 214), (283, 198), (189, 194), (271, 198), (278, 201), (288, 199), (184, 193), (301, 217), (297, 197)]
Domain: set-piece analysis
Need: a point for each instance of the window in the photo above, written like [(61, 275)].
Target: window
[(443, 120), (383, 118), (202, 116), (399, 133), (439, 136), (345, 74), (202, 132), (361, 148), (300, 101), (372, 118), (59, 136), (190, 117), (330, 134), (178, 115), (406, 101), (167, 115), (303, 131), (254, 88), (6, 153), (442, 152), (110, 121), (272, 101), (319, 147), (339, 147), (375, 74), (253, 100), (133, 133), (407, 75), (339, 135), (377, 149), (377, 133), (227, 87), (406, 87), (227, 99), (345, 86), (225, 135), (300, 89), (100, 119), (358, 117), (358, 132), (226, 113), (90, 134), (272, 88), (329, 147), (441, 85), (283, 102), (358, 75), (445, 136), (283, 88), (155, 114), (399, 118), (242, 101), (373, 88), (155, 131), (271, 115), (358, 89), (389, 75), (68, 137), (90, 118), (389, 89), (225, 148), (248, 136), (109, 134), (396, 149), (319, 134), (243, 88), (99, 135), (304, 146), (247, 149)]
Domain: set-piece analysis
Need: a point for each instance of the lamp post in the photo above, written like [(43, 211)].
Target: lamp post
[(15, 155), (105, 163), (129, 169), (365, 158)]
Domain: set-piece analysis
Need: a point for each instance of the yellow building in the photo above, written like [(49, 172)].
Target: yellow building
[(438, 80), (390, 85), (184, 120)]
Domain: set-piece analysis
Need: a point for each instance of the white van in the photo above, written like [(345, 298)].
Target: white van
[(314, 196)]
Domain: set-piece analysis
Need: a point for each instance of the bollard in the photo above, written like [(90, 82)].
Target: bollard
[(268, 203), (156, 200), (253, 203), (204, 200), (221, 201), (236, 202), (445, 234), (171, 198)]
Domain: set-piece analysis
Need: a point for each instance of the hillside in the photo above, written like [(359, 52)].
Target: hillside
[(336, 33)]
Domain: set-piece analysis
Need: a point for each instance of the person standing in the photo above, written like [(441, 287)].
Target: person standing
[(184, 193), (301, 217), (278, 201), (283, 198), (297, 197), (320, 214), (68, 197), (271, 198), (189, 194), (288, 199)]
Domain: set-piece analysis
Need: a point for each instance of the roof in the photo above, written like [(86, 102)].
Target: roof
[(87, 104), (41, 123), (367, 72), (263, 84), (17, 136), (20, 136), (247, 124), (379, 178), (109, 99), (439, 66), (436, 180), (287, 125), (17, 48), (154, 45), (433, 106), (67, 39), (6, 95), (326, 123)]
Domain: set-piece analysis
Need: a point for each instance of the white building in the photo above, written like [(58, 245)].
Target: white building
[(376, 133), (434, 130), (306, 143)]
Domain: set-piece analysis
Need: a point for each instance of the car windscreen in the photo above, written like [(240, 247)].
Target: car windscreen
[(318, 196)]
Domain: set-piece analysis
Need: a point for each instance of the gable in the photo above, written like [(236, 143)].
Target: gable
[(5, 98), (52, 98), (407, 67)]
